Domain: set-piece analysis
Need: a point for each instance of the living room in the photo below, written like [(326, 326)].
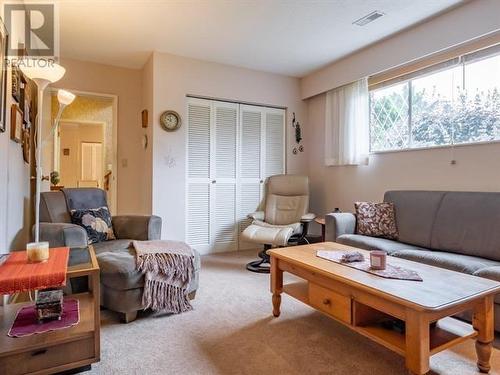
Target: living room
[(279, 137)]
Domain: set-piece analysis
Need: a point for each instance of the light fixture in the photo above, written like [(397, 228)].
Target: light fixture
[(64, 98), (42, 72)]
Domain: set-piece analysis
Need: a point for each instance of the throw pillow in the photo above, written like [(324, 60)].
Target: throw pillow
[(97, 223), (376, 219)]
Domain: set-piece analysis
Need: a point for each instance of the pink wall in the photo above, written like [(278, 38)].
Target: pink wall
[(127, 85), (174, 78)]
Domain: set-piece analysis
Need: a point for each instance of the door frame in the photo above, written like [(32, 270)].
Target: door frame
[(114, 153)]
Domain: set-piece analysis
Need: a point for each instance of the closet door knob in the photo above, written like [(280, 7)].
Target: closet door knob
[(261, 181), (214, 181)]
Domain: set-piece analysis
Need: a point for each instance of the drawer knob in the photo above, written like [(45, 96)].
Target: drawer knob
[(326, 301)]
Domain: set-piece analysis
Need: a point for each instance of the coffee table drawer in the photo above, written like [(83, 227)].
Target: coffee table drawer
[(330, 302)]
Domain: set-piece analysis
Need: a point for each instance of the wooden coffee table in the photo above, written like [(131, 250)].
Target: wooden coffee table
[(366, 302)]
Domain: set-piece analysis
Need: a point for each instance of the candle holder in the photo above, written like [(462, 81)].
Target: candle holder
[(37, 252), (378, 260)]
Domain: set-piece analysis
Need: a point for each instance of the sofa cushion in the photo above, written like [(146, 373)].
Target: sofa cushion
[(376, 219), (415, 214), (492, 273), (97, 223), (455, 262), (468, 223), (118, 266), (374, 243)]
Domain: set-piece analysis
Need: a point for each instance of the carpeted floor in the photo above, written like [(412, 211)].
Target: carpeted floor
[(232, 331)]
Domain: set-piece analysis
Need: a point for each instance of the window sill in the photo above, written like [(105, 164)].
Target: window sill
[(443, 147)]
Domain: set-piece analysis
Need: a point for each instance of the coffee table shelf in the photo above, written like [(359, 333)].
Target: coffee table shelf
[(447, 333)]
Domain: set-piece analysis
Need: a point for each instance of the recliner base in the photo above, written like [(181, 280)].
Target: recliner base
[(263, 264)]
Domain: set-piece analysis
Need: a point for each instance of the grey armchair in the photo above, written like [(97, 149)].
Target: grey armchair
[(121, 283)]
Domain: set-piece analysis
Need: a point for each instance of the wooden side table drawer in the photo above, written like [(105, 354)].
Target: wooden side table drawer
[(330, 302), (45, 358)]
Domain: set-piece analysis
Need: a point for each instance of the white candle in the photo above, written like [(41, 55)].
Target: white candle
[(37, 252)]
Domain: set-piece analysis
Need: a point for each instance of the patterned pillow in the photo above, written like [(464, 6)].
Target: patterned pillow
[(376, 220), (97, 223)]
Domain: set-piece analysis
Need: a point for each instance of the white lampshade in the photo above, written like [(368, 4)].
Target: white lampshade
[(65, 97), (42, 70)]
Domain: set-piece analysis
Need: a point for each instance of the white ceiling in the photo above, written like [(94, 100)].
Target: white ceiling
[(292, 37)]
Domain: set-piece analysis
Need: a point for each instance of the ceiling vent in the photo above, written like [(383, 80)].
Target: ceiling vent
[(368, 18)]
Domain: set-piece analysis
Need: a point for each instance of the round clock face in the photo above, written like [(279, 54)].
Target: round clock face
[(170, 120)]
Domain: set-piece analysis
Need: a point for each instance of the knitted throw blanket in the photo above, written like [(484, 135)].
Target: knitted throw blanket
[(168, 267)]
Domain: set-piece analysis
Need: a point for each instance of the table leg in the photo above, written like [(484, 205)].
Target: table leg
[(417, 343), (483, 323), (276, 285)]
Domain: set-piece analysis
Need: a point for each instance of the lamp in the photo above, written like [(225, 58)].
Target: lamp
[(65, 98), (42, 72)]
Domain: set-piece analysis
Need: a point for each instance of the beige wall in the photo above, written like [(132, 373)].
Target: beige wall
[(174, 78), (127, 85), (477, 166)]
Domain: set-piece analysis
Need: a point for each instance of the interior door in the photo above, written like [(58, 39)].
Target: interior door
[(225, 228), (199, 184), (90, 165), (250, 182), (274, 156)]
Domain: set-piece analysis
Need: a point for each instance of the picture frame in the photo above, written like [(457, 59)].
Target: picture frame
[(16, 124), (16, 83), (4, 39)]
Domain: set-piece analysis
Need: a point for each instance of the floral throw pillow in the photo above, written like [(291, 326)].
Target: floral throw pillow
[(97, 223), (376, 220)]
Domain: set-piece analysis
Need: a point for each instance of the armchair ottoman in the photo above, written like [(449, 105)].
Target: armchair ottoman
[(121, 284)]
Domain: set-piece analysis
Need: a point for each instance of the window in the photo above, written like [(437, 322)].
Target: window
[(455, 102)]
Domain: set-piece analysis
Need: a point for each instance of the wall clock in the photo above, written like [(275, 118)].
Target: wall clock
[(170, 121)]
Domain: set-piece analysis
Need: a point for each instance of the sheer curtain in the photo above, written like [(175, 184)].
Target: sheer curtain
[(347, 125)]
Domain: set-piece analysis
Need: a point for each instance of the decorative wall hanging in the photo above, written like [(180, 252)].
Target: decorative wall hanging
[(144, 118), (298, 136), (16, 124), (26, 146), (3, 76)]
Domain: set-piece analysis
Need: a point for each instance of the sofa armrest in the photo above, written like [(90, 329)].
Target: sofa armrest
[(137, 227), (63, 234), (337, 224), (307, 218), (259, 215)]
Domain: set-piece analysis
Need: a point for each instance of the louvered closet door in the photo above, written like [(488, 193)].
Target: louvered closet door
[(274, 130), (199, 164), (250, 182), (225, 228)]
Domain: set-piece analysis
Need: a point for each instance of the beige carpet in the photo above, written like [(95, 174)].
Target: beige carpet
[(232, 331)]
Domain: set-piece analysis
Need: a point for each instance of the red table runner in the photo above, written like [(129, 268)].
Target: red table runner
[(17, 275)]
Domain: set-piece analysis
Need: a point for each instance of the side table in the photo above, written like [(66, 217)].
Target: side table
[(321, 221), (61, 350)]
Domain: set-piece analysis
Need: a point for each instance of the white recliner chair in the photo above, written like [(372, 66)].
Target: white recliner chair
[(285, 219)]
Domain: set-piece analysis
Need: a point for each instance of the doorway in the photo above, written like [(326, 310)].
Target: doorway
[(83, 146)]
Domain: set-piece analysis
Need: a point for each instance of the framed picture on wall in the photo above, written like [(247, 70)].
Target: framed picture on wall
[(16, 124), (3, 73)]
